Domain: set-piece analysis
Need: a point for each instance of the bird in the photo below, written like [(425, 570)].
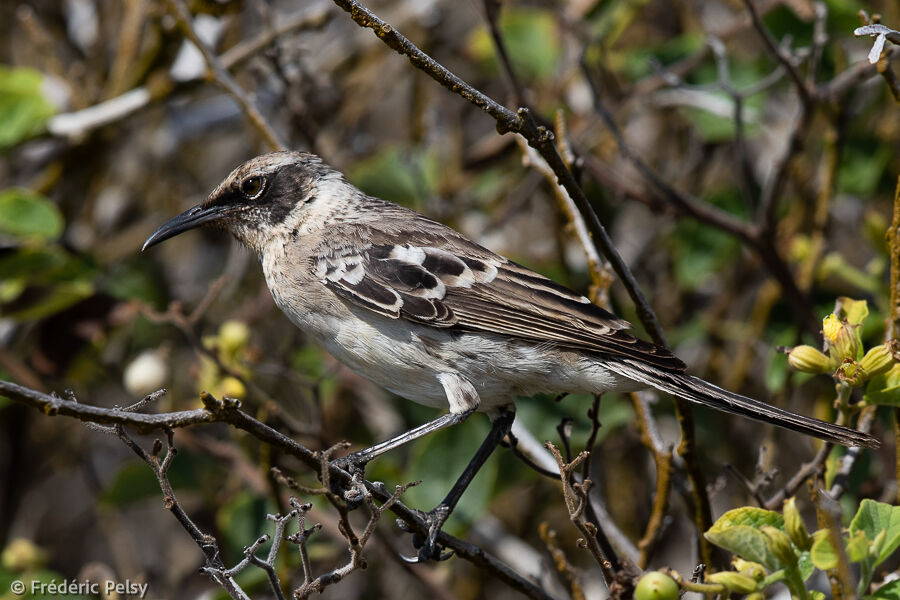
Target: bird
[(434, 317)]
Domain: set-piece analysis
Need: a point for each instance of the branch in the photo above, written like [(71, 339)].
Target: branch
[(224, 78), (576, 497), (80, 122), (228, 411), (523, 123), (760, 27), (214, 566), (662, 457)]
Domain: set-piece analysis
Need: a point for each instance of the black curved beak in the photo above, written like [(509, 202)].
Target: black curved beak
[(189, 219)]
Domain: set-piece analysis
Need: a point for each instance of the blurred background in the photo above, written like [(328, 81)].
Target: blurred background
[(109, 126)]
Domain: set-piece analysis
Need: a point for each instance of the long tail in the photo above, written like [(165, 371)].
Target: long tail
[(697, 390)]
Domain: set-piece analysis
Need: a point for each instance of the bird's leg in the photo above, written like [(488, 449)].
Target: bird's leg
[(501, 423), (355, 462)]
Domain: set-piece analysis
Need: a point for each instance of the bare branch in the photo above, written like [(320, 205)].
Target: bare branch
[(228, 411), (523, 123), (802, 89), (224, 78)]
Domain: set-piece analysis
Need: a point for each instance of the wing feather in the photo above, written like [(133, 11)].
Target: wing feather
[(441, 279)]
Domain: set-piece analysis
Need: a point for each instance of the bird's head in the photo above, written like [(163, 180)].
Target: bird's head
[(256, 200)]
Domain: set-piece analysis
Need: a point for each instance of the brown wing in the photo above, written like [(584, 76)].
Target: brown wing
[(441, 279)]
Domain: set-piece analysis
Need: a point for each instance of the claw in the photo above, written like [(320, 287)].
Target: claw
[(355, 465), (428, 547)]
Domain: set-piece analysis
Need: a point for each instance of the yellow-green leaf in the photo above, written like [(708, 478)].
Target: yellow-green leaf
[(25, 214), (871, 519), (822, 552), (24, 109)]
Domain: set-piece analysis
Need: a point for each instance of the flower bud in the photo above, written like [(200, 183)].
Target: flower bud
[(879, 359), (850, 372), (840, 338), (878, 545), (735, 582), (793, 524), (809, 360), (21, 554), (780, 545), (232, 387), (749, 568), (233, 335)]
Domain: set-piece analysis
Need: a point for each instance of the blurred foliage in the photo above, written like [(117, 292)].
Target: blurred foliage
[(24, 108), (82, 309)]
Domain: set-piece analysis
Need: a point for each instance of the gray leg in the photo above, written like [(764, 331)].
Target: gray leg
[(501, 423), (364, 456)]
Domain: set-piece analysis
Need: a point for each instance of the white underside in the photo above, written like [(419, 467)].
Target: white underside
[(410, 359)]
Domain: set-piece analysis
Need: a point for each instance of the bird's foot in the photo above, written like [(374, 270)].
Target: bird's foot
[(354, 464), (427, 546)]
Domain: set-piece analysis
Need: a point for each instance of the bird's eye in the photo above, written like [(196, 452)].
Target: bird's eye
[(252, 187)]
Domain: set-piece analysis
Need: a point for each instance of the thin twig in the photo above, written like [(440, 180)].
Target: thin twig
[(662, 458), (576, 499), (223, 77), (228, 411), (523, 123), (214, 566), (773, 48), (492, 10), (80, 122)]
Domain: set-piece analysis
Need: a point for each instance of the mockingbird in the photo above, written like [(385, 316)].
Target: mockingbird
[(430, 315)]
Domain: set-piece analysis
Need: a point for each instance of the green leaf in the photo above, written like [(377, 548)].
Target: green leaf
[(531, 38), (805, 565), (738, 531), (857, 547), (862, 169), (749, 516), (51, 301), (853, 311), (396, 174), (747, 542), (25, 214), (889, 591), (24, 109), (874, 517), (822, 552), (885, 388)]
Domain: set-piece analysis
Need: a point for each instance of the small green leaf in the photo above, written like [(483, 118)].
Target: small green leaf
[(889, 591), (24, 109), (531, 38), (885, 388), (805, 565), (749, 516), (25, 214), (745, 541), (822, 553), (874, 517), (857, 547), (853, 311)]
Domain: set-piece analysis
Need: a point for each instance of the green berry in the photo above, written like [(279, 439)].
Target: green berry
[(656, 586)]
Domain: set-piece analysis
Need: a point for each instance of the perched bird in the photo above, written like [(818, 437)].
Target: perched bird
[(434, 317)]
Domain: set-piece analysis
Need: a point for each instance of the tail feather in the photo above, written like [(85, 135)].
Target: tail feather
[(702, 392)]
